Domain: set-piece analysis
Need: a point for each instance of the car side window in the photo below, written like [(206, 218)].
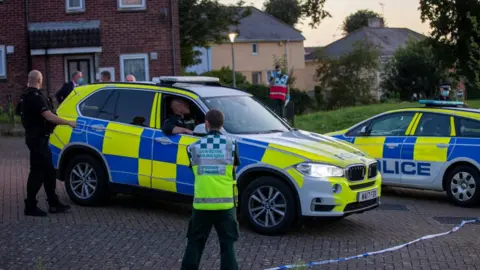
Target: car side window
[(467, 127), (357, 131), (432, 124), (395, 124), (133, 107), (91, 106)]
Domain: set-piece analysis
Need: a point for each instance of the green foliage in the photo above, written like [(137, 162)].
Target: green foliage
[(414, 69), (350, 78), (455, 28), (319, 98), (358, 20), (293, 11), (203, 22), (225, 76)]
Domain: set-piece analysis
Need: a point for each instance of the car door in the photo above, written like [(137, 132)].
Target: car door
[(382, 138), (171, 165), (432, 141), (127, 120)]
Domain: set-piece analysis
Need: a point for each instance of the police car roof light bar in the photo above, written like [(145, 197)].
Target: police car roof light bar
[(186, 79), (441, 103)]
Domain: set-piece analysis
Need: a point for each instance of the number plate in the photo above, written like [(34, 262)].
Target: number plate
[(367, 195)]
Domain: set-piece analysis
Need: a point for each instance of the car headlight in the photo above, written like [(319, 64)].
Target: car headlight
[(320, 170)]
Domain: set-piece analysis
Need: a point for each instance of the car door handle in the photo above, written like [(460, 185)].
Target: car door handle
[(98, 127), (163, 140), (392, 145), (442, 145)]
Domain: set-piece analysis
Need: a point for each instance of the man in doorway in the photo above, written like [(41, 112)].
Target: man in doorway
[(176, 123), (105, 76), (67, 88), (39, 121), (130, 78)]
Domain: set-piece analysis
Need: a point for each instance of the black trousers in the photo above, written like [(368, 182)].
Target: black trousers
[(201, 223), (278, 106), (41, 171)]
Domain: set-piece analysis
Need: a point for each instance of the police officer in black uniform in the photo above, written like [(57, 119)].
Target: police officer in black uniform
[(39, 121), (178, 123)]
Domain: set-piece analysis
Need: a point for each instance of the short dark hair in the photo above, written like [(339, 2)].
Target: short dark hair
[(214, 118), (105, 73)]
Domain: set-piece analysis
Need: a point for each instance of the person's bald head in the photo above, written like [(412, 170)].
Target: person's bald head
[(130, 78), (180, 106), (35, 79)]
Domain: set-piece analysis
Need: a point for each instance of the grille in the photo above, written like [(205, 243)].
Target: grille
[(359, 205), (356, 173), (372, 170), (364, 185)]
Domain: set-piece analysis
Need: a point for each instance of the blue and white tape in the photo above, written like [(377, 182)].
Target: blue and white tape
[(310, 264)]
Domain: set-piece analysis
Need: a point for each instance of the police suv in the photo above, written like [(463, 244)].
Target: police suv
[(436, 147), (119, 147)]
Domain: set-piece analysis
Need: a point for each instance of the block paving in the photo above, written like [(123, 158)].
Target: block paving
[(135, 233)]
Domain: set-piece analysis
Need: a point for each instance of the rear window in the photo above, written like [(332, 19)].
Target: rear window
[(467, 127)]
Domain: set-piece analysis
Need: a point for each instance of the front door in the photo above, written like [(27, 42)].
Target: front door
[(82, 65), (383, 138), (433, 139)]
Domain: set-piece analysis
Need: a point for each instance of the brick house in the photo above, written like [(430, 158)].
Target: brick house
[(57, 37)]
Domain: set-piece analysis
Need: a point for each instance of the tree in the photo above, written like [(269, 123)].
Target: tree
[(414, 69), (349, 79), (203, 22), (358, 20), (455, 28), (292, 11), (225, 76)]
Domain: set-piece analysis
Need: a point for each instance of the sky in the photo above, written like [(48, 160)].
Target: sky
[(397, 13)]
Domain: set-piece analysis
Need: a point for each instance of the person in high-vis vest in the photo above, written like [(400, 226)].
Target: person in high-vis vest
[(213, 160), (278, 90)]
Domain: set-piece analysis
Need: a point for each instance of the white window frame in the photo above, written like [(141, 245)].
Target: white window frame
[(143, 56), (75, 9), (3, 55), (255, 45), (268, 72), (142, 6)]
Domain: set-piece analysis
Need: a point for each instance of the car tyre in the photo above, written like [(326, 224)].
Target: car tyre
[(463, 186), (273, 197), (86, 181)]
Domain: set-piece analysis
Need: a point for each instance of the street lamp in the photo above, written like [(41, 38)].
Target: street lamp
[(232, 36)]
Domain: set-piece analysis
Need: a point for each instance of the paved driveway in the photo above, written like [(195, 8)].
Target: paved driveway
[(132, 233)]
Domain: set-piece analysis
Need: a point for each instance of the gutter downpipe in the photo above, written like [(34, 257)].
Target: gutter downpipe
[(27, 36), (174, 51)]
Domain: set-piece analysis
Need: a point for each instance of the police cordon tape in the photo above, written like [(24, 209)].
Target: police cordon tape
[(310, 264)]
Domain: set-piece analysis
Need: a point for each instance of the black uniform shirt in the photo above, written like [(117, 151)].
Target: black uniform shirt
[(34, 104), (177, 121)]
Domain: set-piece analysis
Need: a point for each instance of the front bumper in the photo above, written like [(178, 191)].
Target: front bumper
[(317, 198)]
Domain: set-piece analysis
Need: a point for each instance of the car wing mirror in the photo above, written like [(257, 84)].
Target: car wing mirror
[(363, 131), (200, 130)]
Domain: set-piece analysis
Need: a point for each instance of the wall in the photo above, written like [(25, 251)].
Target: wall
[(246, 62), (306, 77), (12, 33)]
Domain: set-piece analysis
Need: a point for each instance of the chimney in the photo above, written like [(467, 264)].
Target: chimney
[(376, 22)]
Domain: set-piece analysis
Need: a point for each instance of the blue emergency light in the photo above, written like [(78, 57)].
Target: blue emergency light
[(441, 103)]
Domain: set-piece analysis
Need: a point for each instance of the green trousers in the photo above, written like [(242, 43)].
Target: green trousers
[(199, 227)]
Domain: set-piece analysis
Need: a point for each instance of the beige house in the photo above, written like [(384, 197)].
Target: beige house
[(261, 38)]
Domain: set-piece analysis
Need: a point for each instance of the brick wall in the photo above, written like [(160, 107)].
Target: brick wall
[(12, 33), (123, 32)]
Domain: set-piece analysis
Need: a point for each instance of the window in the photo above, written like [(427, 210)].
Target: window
[(269, 75), (75, 5), (357, 131), (195, 112), (432, 124), (135, 64), (467, 127), (3, 62), (131, 4), (129, 107), (256, 77), (92, 106), (255, 49), (245, 115), (390, 125)]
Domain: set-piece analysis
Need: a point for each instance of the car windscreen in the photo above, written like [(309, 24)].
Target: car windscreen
[(245, 115)]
